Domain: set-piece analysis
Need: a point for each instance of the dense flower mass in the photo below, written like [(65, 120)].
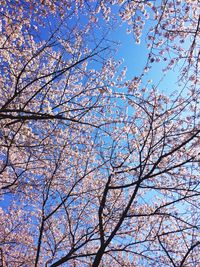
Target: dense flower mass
[(97, 169)]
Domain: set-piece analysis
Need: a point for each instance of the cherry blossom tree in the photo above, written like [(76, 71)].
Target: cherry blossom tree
[(97, 169)]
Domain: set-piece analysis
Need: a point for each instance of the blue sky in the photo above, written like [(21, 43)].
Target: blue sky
[(135, 58)]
